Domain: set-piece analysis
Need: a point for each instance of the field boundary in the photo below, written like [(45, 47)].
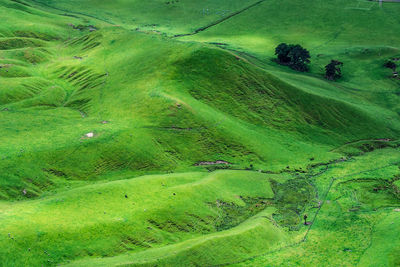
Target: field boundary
[(371, 4), (219, 21)]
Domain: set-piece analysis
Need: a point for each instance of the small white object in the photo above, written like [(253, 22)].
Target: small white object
[(89, 135)]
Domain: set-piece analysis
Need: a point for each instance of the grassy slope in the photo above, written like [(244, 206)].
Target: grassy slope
[(169, 105), (354, 220), (253, 236), (361, 39), (99, 220), (183, 211), (226, 120)]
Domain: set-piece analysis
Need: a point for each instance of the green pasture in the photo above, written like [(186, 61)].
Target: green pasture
[(163, 133)]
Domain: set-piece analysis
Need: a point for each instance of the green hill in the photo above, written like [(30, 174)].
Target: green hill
[(163, 133)]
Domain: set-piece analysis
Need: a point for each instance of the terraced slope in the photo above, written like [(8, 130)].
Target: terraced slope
[(112, 136)]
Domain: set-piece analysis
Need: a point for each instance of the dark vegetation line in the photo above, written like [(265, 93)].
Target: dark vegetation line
[(380, 140), (219, 21), (310, 167), (315, 217)]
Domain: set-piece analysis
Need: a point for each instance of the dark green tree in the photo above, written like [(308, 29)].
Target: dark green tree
[(333, 70), (299, 58), (282, 51), (390, 65), (293, 56)]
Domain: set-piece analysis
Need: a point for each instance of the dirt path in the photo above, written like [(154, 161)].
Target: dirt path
[(219, 21)]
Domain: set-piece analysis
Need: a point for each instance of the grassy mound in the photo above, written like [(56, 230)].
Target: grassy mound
[(120, 216)]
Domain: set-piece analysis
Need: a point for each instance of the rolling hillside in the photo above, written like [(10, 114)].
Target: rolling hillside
[(163, 133)]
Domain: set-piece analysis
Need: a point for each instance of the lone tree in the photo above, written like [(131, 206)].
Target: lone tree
[(333, 70), (282, 51), (390, 65), (294, 56)]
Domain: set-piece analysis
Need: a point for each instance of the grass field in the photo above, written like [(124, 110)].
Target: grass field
[(163, 133)]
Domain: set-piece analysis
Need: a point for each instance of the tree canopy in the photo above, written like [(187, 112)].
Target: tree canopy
[(333, 70), (294, 56)]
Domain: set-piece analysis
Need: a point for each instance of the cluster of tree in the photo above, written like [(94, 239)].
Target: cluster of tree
[(294, 56), (298, 58)]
